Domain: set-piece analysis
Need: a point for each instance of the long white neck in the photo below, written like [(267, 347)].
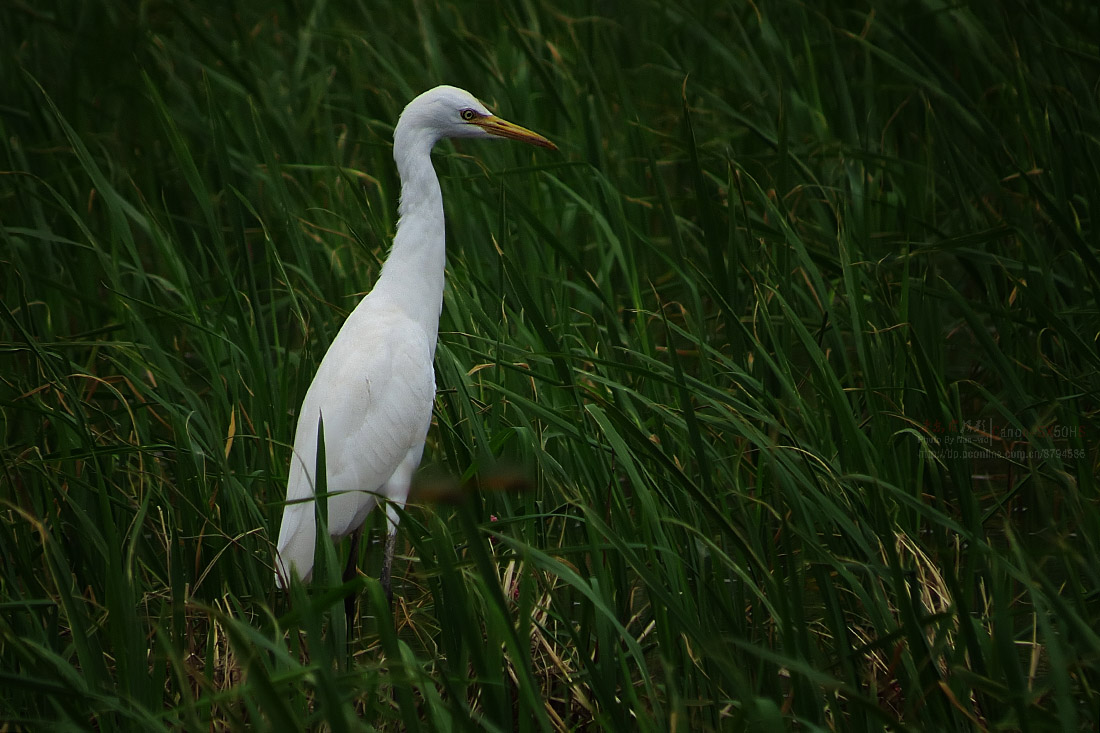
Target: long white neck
[(412, 276)]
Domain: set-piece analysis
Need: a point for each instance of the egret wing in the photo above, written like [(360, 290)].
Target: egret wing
[(374, 391)]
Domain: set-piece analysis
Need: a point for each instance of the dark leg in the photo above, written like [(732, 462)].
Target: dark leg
[(387, 564), (350, 572)]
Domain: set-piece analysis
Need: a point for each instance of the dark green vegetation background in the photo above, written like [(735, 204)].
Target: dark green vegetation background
[(769, 402)]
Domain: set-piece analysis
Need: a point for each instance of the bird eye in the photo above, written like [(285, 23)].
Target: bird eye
[(468, 115)]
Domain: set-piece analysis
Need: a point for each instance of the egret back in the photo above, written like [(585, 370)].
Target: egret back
[(374, 390)]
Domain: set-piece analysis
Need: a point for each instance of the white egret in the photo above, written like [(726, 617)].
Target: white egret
[(375, 386)]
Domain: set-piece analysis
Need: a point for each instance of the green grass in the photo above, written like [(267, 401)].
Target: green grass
[(771, 402)]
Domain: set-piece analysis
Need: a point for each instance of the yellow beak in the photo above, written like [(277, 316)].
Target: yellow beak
[(503, 128)]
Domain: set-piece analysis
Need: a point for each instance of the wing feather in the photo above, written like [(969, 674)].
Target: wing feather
[(374, 390)]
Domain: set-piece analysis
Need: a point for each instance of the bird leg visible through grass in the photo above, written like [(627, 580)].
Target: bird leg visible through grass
[(387, 564), (350, 571)]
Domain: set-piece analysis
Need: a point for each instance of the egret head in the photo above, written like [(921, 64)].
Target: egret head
[(452, 112)]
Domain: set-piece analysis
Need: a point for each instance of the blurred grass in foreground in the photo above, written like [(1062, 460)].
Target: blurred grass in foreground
[(770, 403)]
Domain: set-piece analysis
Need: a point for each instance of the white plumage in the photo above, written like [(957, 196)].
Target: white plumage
[(375, 386)]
